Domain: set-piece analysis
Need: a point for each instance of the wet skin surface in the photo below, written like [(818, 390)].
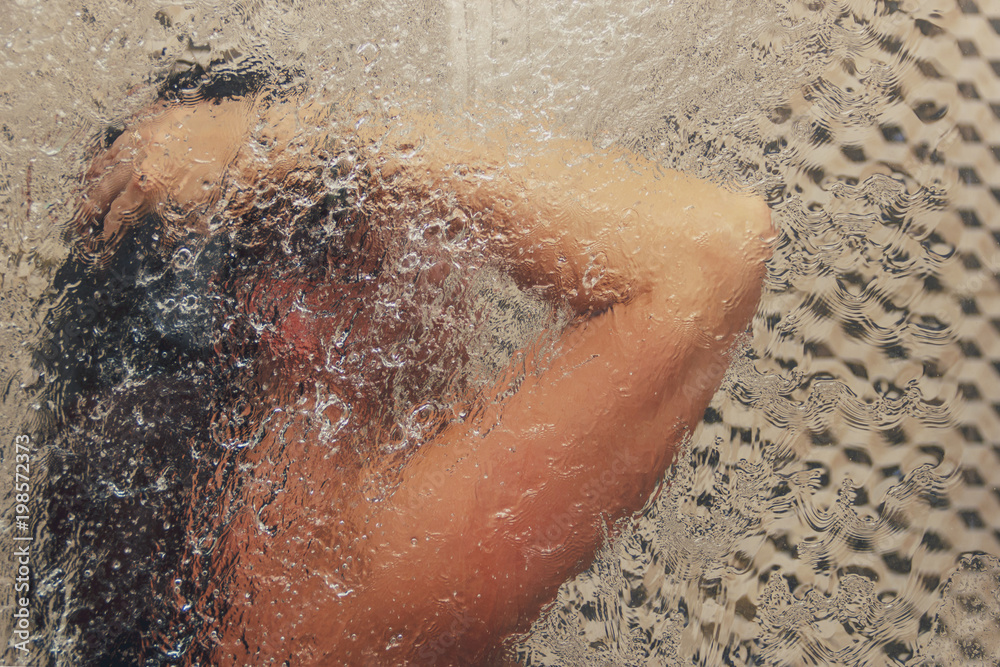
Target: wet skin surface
[(337, 550)]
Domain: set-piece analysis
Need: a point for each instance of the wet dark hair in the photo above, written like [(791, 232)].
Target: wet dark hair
[(131, 344), (221, 79)]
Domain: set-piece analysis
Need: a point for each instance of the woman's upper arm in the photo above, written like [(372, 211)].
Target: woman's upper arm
[(665, 271)]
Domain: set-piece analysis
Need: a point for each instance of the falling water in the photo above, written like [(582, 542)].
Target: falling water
[(835, 505)]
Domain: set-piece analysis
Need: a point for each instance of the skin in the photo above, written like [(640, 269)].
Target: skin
[(461, 546)]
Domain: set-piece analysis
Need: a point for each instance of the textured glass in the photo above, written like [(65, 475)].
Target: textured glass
[(837, 504)]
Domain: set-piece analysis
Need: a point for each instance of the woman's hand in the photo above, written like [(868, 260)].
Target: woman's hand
[(170, 163)]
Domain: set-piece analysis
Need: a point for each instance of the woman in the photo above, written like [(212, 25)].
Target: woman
[(387, 485)]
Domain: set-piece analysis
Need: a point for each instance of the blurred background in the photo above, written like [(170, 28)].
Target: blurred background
[(840, 502)]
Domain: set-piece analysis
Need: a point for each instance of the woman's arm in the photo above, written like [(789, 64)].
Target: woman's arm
[(668, 271)]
